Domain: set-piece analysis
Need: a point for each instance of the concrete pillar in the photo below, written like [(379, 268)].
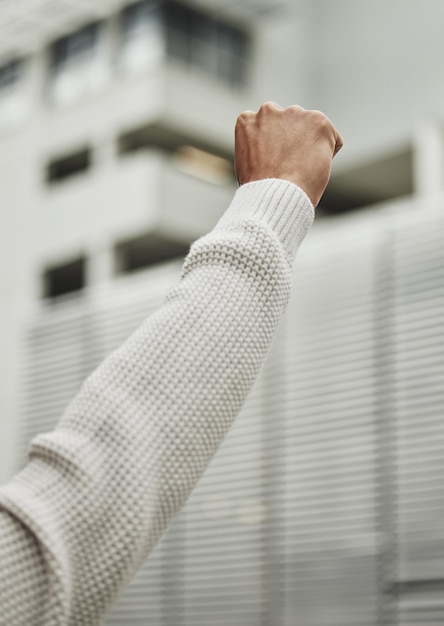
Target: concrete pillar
[(100, 264)]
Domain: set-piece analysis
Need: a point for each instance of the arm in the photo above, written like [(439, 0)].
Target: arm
[(100, 490)]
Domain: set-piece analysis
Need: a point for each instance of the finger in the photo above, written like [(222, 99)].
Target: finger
[(338, 143)]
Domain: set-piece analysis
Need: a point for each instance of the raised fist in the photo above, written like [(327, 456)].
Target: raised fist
[(293, 144)]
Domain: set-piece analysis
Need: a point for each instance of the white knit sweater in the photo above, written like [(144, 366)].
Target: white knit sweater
[(99, 491)]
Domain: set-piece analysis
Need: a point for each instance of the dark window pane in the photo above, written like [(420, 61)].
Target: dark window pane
[(63, 279), (137, 16), (10, 74), (205, 42), (74, 46), (232, 54), (146, 250), (231, 39), (204, 50), (180, 17), (179, 27), (68, 165)]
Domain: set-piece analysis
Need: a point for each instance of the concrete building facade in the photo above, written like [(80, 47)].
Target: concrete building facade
[(116, 122)]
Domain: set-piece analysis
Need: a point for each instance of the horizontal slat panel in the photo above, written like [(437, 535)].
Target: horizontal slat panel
[(418, 392), (287, 525)]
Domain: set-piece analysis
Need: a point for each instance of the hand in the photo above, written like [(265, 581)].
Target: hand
[(292, 144)]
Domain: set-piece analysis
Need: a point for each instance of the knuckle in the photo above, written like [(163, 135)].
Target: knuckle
[(244, 117), (269, 107), (295, 109), (321, 123), (320, 119)]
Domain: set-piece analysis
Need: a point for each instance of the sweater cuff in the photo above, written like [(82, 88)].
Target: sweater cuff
[(282, 206)]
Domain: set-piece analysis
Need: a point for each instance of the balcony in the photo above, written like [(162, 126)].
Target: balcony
[(97, 68), (28, 25), (167, 93), (138, 193)]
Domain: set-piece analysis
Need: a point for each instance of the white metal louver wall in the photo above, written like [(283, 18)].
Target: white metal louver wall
[(57, 352), (329, 479), (64, 345), (323, 505), (417, 310)]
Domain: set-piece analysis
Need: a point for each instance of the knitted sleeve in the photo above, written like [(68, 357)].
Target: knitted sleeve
[(99, 491)]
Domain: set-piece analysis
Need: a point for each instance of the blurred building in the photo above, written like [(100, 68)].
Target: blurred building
[(325, 504), (116, 123)]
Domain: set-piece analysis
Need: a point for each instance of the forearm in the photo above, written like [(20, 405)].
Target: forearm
[(101, 489)]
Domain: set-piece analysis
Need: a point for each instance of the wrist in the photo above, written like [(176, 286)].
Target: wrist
[(277, 204)]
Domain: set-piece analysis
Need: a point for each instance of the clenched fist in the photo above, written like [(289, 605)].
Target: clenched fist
[(293, 143)]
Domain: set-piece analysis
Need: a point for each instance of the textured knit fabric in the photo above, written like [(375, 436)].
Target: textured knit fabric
[(99, 491)]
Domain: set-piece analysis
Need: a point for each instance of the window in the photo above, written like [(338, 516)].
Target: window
[(196, 158), (190, 36), (203, 164), (232, 54), (163, 138), (139, 16), (75, 47), (142, 35), (205, 42), (10, 74), (79, 65), (14, 104), (181, 22), (145, 250), (63, 279), (68, 165)]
